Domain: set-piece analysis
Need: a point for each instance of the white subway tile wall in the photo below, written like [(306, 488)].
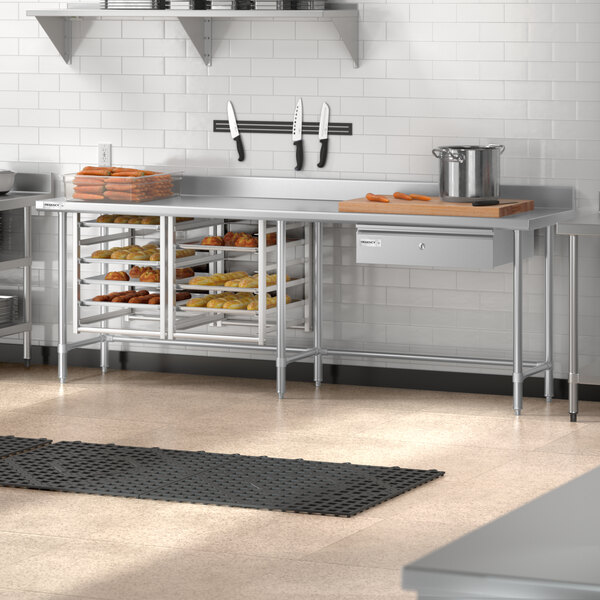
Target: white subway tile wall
[(525, 74)]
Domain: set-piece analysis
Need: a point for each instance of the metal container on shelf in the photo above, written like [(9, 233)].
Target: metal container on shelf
[(469, 172)]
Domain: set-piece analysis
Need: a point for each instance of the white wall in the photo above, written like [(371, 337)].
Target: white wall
[(526, 74)]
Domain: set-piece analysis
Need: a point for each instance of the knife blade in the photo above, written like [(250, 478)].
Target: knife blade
[(323, 134), (235, 134), (297, 135)]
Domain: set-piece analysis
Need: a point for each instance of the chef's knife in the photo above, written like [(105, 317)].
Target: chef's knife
[(235, 134), (297, 135), (323, 134)]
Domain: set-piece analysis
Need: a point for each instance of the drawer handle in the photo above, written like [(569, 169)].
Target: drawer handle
[(421, 246)]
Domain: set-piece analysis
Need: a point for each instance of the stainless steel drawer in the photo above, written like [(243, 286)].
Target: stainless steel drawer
[(433, 246)]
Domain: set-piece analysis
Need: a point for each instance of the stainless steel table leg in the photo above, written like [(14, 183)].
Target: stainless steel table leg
[(549, 374), (62, 297), (27, 285), (318, 301), (517, 325), (281, 293), (573, 329)]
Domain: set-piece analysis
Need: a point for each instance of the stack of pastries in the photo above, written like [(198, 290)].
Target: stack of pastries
[(133, 252), (239, 279), (137, 297), (233, 301), (240, 239), (135, 219)]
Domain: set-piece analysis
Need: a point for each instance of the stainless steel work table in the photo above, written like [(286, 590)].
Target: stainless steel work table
[(547, 549), (316, 201), (28, 188), (582, 223)]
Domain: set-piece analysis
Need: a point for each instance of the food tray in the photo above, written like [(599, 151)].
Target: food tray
[(232, 311), (186, 261), (182, 226), (185, 285), (90, 302), (197, 246), (139, 186)]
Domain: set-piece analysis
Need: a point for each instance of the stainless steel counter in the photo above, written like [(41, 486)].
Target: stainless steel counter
[(546, 549), (315, 201)]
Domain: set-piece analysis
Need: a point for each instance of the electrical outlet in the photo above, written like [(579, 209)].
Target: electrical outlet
[(105, 155)]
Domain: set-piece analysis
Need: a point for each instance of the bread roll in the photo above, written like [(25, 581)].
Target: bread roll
[(106, 219), (122, 219), (183, 273), (104, 298), (150, 221), (119, 254), (138, 255), (183, 252), (151, 275), (117, 276), (246, 242), (213, 240), (155, 256), (150, 246), (102, 254)]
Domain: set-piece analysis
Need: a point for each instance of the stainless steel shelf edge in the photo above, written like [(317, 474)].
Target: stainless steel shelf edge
[(198, 24)]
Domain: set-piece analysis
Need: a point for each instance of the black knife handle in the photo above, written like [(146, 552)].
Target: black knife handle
[(240, 148), (299, 155), (323, 157)]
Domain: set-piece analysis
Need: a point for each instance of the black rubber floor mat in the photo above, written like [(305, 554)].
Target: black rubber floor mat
[(340, 489), (9, 444)]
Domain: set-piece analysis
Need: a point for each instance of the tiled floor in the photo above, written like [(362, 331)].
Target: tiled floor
[(58, 546)]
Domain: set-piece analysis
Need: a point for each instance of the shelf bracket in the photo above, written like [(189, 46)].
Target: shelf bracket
[(200, 34), (348, 30), (59, 30)]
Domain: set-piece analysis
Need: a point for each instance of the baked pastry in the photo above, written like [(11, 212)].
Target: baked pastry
[(136, 271), (237, 303), (155, 256), (200, 301), (138, 255), (102, 254), (271, 239), (213, 240), (182, 219), (122, 219), (117, 276), (104, 298), (217, 278), (179, 296), (106, 219), (182, 253), (151, 276), (119, 254), (246, 242), (135, 220), (271, 302), (150, 246), (230, 237), (185, 272), (150, 221)]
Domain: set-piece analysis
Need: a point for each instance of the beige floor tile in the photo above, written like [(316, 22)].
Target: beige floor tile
[(585, 440), (67, 428), (25, 595), (472, 430), (391, 542), (114, 571), (15, 396)]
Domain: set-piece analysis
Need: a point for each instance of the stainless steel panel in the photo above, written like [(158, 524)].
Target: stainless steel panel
[(434, 247)]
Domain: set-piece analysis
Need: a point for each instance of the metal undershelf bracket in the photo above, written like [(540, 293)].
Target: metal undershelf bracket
[(348, 30), (59, 30), (200, 33)]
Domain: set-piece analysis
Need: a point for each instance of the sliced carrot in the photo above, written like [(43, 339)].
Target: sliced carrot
[(376, 198), (401, 196), (420, 197)]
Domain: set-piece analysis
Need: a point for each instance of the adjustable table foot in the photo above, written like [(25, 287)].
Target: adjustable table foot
[(573, 417)]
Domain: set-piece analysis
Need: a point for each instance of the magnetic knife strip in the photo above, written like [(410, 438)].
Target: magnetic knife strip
[(308, 127), (261, 482)]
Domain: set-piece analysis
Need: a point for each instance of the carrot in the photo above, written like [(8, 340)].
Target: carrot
[(401, 196), (77, 196), (376, 198), (420, 197), (94, 171), (89, 189)]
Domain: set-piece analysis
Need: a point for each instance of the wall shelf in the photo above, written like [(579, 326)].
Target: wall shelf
[(198, 23)]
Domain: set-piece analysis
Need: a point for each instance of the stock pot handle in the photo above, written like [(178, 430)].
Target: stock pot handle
[(451, 155), (502, 148)]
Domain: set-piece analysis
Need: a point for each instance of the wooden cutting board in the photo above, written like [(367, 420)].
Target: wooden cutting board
[(435, 206)]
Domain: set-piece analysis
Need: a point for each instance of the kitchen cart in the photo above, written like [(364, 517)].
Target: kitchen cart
[(313, 202), (28, 188), (583, 223)]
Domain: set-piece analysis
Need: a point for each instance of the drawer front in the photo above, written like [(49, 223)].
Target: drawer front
[(433, 247)]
